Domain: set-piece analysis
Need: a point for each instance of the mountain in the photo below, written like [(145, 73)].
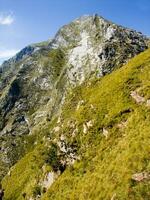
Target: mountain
[(74, 115)]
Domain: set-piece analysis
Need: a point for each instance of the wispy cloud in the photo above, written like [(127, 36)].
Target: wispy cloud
[(4, 54), (6, 18)]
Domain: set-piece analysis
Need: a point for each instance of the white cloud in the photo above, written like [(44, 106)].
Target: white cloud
[(5, 54), (6, 18)]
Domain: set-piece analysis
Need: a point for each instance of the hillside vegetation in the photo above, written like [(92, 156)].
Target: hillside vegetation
[(98, 146), (35, 82)]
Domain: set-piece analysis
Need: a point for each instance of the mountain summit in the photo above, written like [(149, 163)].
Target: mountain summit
[(56, 103)]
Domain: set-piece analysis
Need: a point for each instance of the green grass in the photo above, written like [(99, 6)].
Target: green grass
[(58, 60), (107, 164), (24, 176)]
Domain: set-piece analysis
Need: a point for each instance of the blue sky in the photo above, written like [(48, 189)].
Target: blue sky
[(23, 22)]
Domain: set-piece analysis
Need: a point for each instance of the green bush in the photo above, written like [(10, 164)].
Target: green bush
[(36, 191)]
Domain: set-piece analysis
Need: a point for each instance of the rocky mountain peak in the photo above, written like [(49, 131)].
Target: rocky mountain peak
[(94, 41), (34, 84), (92, 25)]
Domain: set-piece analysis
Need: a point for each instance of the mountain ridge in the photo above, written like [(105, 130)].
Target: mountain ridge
[(33, 90), (81, 52)]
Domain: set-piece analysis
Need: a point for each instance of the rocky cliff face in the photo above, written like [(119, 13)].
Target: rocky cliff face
[(34, 83), (98, 45)]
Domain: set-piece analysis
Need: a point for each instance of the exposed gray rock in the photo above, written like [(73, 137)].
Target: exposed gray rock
[(139, 99), (105, 132), (141, 176)]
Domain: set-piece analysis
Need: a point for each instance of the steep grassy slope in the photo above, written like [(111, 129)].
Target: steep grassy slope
[(104, 129), (34, 83)]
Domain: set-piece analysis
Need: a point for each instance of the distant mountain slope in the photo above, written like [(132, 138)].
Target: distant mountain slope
[(149, 42), (57, 101), (104, 126)]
